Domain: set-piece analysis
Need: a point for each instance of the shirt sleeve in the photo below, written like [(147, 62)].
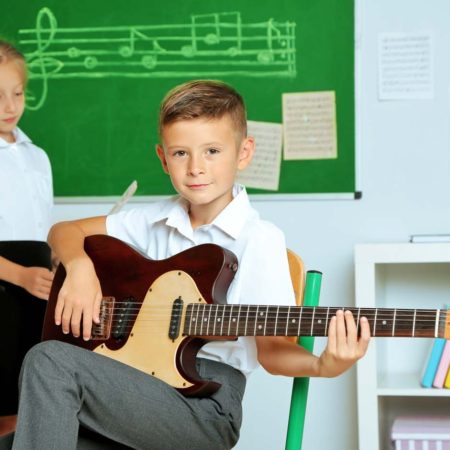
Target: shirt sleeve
[(129, 226), (263, 275)]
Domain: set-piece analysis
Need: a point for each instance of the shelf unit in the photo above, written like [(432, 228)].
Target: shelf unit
[(388, 377)]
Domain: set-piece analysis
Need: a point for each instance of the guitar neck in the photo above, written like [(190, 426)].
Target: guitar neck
[(249, 320)]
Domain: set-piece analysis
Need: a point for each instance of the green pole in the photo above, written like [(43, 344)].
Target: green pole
[(300, 386)]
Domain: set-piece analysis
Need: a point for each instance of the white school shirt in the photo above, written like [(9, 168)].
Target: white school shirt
[(163, 229), (26, 190)]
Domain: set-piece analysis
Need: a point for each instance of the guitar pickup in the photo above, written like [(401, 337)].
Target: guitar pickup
[(175, 319), (102, 330), (123, 319)]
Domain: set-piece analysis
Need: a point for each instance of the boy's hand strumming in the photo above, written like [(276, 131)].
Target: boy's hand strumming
[(79, 298)]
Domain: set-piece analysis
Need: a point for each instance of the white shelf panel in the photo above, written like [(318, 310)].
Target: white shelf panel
[(406, 385), (402, 253), (388, 377)]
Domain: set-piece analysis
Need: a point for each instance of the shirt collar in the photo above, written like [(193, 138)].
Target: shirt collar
[(231, 220), (20, 137)]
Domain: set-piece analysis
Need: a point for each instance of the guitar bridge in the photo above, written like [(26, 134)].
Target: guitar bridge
[(102, 330)]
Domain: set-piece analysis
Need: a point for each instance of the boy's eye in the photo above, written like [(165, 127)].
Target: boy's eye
[(179, 153), (213, 151), (19, 93)]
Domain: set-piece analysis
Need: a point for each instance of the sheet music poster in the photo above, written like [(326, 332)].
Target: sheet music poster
[(405, 66), (309, 121), (264, 170)]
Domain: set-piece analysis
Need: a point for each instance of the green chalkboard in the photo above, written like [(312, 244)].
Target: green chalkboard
[(99, 69)]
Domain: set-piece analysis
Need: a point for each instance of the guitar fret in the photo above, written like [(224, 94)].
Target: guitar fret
[(414, 323), (208, 320), (299, 321), (265, 321), (312, 320), (326, 322), (215, 320), (261, 328), (276, 322), (236, 320), (393, 324), (357, 322), (375, 323), (222, 321), (188, 317), (246, 321), (256, 321), (229, 320), (287, 322)]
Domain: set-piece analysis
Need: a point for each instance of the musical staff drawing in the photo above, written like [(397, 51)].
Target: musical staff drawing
[(213, 45)]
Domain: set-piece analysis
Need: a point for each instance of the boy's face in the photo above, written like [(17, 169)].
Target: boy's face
[(202, 158), (12, 98)]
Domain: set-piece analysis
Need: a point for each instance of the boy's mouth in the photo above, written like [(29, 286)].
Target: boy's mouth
[(197, 186)]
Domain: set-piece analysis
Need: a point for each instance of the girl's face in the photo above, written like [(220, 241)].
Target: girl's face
[(12, 98)]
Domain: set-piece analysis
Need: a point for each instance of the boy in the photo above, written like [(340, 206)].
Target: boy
[(203, 145)]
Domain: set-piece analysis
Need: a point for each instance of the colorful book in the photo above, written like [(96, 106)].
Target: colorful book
[(447, 379), (442, 369), (433, 362)]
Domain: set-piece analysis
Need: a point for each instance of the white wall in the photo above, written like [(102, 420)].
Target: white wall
[(405, 179)]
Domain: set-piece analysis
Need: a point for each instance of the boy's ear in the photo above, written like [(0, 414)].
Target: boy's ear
[(246, 152), (162, 157)]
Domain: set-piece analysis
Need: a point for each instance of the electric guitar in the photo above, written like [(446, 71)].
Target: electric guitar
[(157, 314)]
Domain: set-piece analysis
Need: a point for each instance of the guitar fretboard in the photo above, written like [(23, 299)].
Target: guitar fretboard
[(249, 320)]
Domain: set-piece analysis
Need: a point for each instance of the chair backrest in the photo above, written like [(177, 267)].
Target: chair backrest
[(307, 291), (297, 271)]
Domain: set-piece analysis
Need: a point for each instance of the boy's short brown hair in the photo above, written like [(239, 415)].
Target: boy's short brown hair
[(207, 99), (8, 53)]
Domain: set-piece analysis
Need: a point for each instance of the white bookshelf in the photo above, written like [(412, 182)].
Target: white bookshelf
[(388, 377)]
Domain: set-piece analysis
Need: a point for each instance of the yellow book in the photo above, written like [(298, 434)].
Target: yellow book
[(447, 380)]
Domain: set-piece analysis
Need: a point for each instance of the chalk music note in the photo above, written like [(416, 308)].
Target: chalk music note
[(210, 45)]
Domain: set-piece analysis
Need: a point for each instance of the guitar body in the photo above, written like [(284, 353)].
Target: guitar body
[(143, 292)]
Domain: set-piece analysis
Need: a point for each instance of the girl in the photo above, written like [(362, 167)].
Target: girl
[(26, 201)]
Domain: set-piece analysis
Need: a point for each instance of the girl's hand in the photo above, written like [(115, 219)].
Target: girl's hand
[(37, 281)]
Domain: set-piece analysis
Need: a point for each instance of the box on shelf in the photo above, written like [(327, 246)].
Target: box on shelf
[(421, 433)]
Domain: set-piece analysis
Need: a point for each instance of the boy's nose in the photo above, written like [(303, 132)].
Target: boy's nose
[(195, 166)]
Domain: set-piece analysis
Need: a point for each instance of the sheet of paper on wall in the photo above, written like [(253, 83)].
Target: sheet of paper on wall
[(309, 124), (264, 170), (405, 66)]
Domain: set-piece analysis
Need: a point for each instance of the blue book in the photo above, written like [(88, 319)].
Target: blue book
[(433, 362)]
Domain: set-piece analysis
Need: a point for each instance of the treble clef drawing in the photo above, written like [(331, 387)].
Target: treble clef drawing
[(211, 45), (39, 65)]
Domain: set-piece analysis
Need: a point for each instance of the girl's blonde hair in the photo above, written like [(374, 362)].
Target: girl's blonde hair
[(8, 53)]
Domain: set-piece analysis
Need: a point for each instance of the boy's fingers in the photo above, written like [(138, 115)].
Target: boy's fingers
[(96, 312), (65, 319), (341, 334), (59, 309), (351, 328), (87, 326), (75, 322), (332, 335), (364, 339)]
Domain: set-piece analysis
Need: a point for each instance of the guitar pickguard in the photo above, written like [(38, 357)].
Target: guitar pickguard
[(149, 347)]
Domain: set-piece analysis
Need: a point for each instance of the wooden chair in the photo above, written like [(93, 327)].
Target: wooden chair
[(307, 291)]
